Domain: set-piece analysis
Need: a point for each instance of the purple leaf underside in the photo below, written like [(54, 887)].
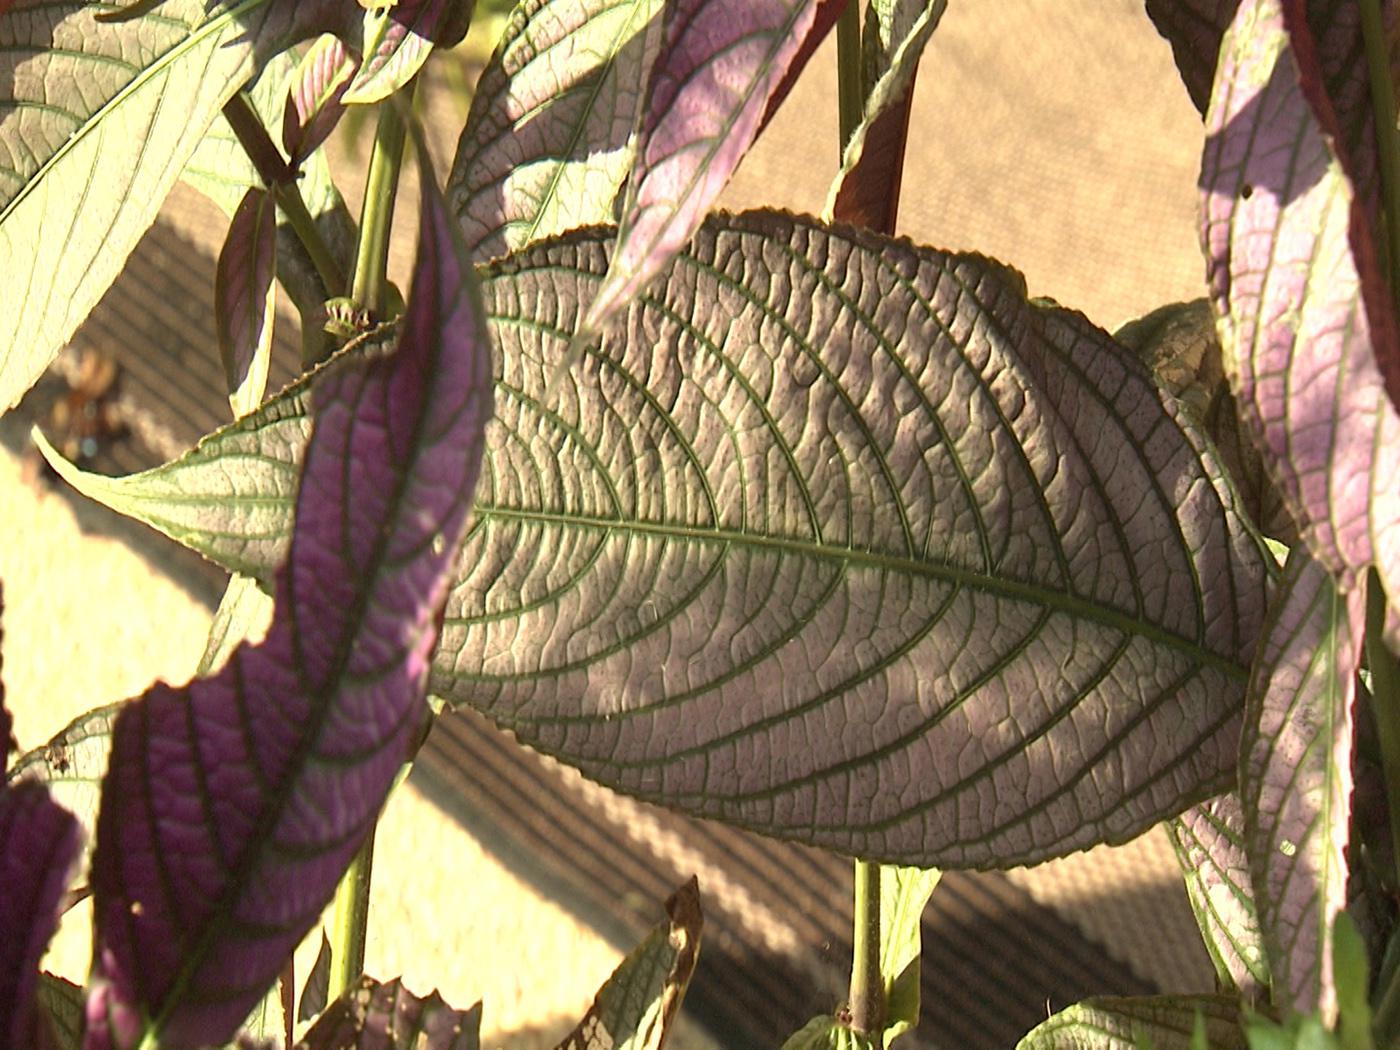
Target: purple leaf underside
[(244, 305), (720, 63), (1296, 779), (374, 1016), (1303, 313), (232, 805), (314, 103), (828, 507)]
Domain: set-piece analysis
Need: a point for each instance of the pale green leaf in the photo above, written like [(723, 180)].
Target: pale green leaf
[(904, 892), (61, 1002), (827, 1033), (97, 120), (244, 613), (1164, 1022)]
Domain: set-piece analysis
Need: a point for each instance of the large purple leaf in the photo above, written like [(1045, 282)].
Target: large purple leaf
[(38, 845), (244, 303), (97, 119), (1295, 777), (232, 805), (866, 190), (374, 1016), (1301, 306), (550, 138), (1209, 844), (720, 63), (838, 538)]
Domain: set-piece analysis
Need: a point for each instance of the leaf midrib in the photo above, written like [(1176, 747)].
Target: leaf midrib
[(866, 558), (146, 75)]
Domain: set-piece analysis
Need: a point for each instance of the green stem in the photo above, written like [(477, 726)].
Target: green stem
[(1385, 700), (351, 922), (1387, 145), (867, 999), (273, 169), (850, 89), (377, 216)]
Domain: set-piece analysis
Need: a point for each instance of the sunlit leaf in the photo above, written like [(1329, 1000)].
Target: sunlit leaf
[(374, 1016), (1209, 843), (637, 1005), (904, 892), (314, 103), (244, 612), (397, 41), (1165, 1022), (231, 806), (97, 121), (1295, 777), (866, 190), (1301, 306), (720, 63), (837, 538), (549, 140), (244, 303)]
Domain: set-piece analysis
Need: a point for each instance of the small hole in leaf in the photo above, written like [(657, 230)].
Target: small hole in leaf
[(1246, 191)]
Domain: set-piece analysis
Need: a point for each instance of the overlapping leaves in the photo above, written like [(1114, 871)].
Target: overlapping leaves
[(835, 538)]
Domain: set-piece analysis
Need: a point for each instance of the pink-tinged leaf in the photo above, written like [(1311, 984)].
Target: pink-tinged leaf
[(866, 190), (314, 103), (1209, 843), (1295, 777), (374, 1016), (244, 304), (720, 63), (397, 41), (38, 845), (232, 805), (1300, 304)]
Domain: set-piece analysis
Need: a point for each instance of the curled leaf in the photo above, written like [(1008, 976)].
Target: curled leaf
[(244, 303), (315, 102), (232, 805)]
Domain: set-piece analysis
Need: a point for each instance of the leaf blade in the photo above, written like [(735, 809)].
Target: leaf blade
[(1116, 1024), (244, 299)]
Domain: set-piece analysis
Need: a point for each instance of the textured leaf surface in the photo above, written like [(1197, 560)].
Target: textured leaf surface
[(1123, 1024), (1209, 843), (1295, 777), (721, 61), (866, 190), (637, 1005), (837, 538), (904, 892), (397, 41), (244, 304), (38, 844), (549, 140), (97, 119), (1194, 28), (62, 1003), (1302, 309), (231, 806), (827, 1033), (315, 101), (376, 1016)]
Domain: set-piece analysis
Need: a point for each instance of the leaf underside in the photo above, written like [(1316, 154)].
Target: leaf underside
[(835, 538), (1162, 1022)]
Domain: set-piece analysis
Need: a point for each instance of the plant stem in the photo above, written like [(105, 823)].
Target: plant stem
[(351, 922), (867, 999), (1387, 145), (377, 215), (1385, 699), (850, 89), (281, 178)]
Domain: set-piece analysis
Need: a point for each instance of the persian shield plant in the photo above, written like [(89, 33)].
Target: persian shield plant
[(772, 519)]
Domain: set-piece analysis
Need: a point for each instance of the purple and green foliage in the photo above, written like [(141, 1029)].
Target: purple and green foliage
[(244, 299), (231, 806), (316, 100), (397, 40)]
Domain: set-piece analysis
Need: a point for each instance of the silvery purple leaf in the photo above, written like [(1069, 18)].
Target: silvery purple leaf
[(244, 303), (1295, 777), (314, 103), (656, 595), (397, 41), (720, 63), (39, 842), (232, 805), (1303, 313), (374, 1016), (551, 134), (1209, 844)]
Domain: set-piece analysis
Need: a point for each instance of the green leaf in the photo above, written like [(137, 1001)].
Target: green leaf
[(244, 613), (835, 538), (551, 134), (62, 1003), (636, 1006), (1168, 1022), (904, 892), (827, 1033), (100, 119), (1351, 970)]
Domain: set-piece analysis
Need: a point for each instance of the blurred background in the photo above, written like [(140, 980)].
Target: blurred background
[(1051, 134)]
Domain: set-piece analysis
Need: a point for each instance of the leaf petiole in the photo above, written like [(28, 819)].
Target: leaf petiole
[(850, 85), (867, 999)]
